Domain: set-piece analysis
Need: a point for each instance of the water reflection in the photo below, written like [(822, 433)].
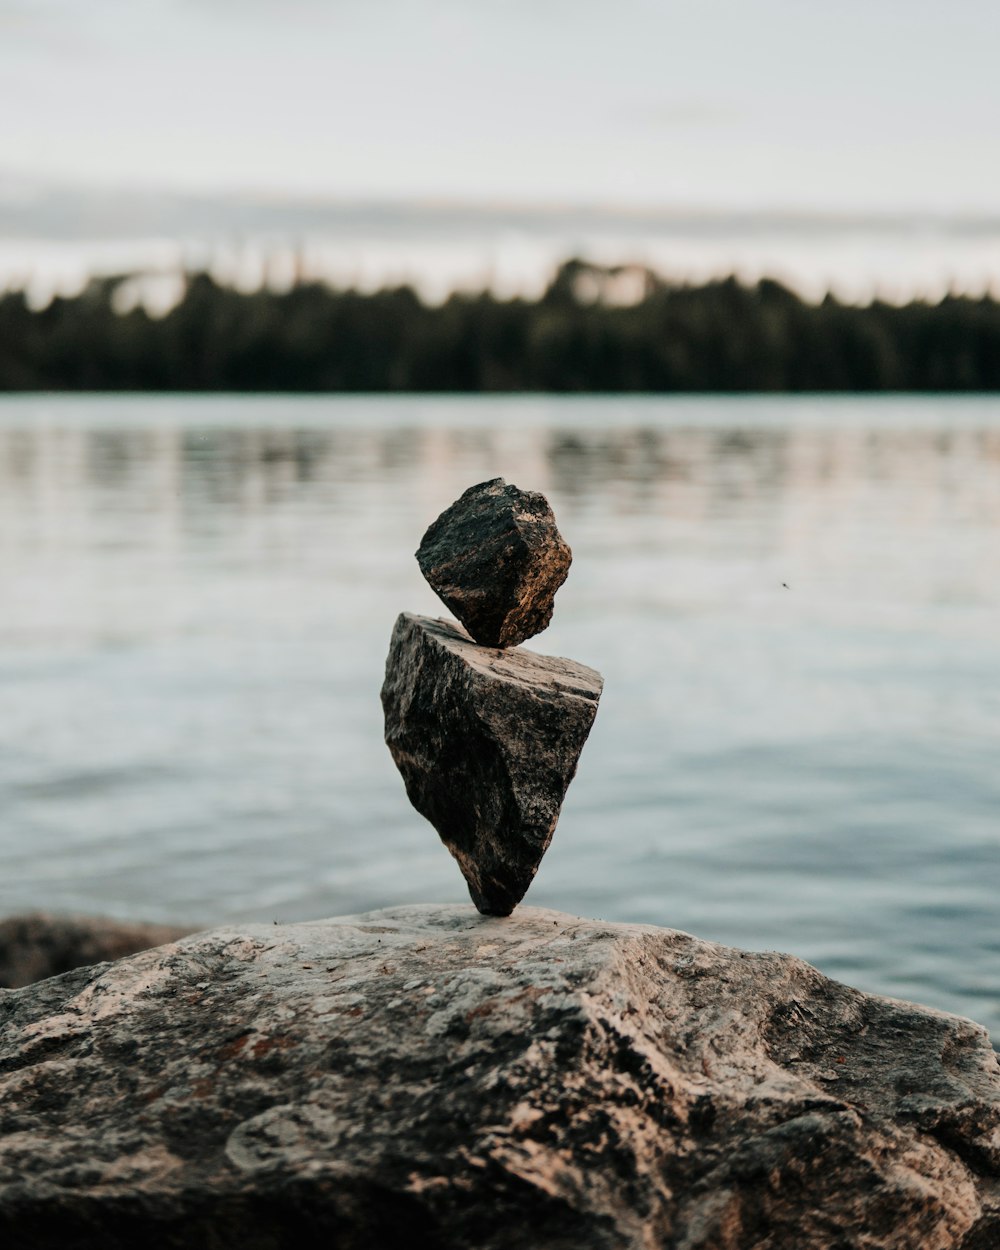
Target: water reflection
[(639, 465), (797, 619)]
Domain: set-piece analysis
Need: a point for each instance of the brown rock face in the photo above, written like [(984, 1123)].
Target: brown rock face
[(428, 1079), (487, 743), (38, 945), (496, 560)]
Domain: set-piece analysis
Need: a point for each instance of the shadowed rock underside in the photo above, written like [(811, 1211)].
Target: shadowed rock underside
[(426, 1078), (487, 743)]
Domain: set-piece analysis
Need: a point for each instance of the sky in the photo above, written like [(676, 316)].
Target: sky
[(866, 105)]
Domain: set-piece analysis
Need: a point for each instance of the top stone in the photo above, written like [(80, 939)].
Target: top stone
[(496, 560)]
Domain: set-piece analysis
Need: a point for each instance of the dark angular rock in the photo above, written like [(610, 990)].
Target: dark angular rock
[(487, 743), (496, 560)]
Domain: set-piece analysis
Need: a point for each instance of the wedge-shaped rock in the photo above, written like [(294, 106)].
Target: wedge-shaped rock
[(487, 743), (496, 560)]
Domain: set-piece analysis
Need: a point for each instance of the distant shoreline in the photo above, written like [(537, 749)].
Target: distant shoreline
[(595, 330)]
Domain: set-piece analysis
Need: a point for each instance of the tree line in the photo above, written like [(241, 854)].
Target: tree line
[(721, 336)]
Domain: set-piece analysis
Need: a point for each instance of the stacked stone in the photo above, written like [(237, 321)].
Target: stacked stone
[(485, 734)]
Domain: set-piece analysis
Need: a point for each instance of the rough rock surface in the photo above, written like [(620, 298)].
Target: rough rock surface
[(38, 945), (487, 743), (496, 560), (423, 1077)]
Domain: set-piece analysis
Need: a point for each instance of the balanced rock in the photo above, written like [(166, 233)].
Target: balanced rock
[(496, 560), (487, 743), (426, 1079)]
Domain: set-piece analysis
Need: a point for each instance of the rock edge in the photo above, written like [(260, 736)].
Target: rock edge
[(35, 945)]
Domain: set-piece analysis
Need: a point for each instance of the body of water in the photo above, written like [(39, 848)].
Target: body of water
[(795, 604)]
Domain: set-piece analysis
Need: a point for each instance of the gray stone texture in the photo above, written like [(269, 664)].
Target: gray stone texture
[(487, 743), (426, 1078), (496, 560)]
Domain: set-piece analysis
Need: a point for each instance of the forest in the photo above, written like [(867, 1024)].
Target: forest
[(578, 336)]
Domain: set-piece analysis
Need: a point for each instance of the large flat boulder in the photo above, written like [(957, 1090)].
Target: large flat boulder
[(425, 1077)]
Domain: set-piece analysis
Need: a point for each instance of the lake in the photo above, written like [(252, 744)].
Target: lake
[(795, 603)]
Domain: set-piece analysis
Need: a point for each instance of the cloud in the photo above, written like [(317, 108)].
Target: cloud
[(48, 25), (679, 114)]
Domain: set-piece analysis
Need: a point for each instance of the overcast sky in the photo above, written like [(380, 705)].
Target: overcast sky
[(858, 105)]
